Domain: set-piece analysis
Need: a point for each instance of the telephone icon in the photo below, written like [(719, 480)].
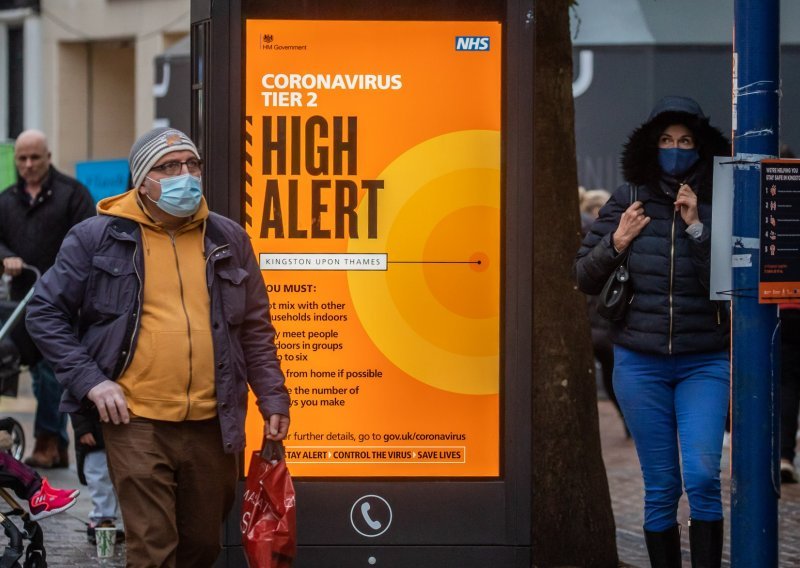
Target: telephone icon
[(374, 525), (371, 515)]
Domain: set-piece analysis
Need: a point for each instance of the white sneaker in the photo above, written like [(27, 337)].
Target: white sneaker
[(788, 472)]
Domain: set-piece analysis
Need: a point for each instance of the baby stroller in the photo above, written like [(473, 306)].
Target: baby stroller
[(35, 555), (10, 357), (9, 381)]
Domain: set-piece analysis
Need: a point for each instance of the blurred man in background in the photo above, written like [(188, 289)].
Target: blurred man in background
[(35, 215)]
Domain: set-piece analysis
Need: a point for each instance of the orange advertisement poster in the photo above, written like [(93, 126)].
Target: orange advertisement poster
[(373, 201)]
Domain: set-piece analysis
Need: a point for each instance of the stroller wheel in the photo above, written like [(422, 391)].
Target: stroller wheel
[(17, 442)]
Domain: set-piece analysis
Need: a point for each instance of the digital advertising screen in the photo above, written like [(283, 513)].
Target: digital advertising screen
[(373, 199)]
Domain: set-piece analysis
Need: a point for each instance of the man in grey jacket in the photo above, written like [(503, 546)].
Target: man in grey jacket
[(157, 318)]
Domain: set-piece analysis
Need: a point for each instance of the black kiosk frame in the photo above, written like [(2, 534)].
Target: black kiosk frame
[(464, 522)]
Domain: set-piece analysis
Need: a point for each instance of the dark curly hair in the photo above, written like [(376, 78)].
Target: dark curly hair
[(640, 154)]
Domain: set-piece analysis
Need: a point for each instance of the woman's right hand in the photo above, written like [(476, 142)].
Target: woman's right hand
[(631, 223)]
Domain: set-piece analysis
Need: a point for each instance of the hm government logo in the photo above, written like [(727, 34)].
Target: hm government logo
[(267, 42), (472, 43)]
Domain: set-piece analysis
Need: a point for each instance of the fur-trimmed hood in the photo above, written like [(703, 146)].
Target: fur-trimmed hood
[(640, 154)]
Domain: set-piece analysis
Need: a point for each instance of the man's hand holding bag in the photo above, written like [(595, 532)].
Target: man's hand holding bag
[(268, 522)]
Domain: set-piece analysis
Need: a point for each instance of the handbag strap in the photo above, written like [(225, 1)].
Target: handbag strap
[(634, 195), (634, 192)]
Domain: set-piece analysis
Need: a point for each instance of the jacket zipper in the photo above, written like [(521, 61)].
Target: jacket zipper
[(138, 313), (212, 253), (671, 278), (188, 324)]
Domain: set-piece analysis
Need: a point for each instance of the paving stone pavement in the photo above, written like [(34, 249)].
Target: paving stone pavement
[(625, 484), (65, 534), (65, 539), (66, 544)]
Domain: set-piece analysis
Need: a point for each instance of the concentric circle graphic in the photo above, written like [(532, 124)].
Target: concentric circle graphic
[(435, 312)]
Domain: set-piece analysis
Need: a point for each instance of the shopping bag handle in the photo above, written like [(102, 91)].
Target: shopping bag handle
[(272, 450)]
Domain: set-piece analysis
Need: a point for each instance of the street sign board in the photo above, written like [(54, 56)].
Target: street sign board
[(779, 276)]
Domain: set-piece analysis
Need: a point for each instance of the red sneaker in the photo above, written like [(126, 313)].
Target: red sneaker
[(49, 501), (66, 493)]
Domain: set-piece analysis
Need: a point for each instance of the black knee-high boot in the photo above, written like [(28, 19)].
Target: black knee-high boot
[(664, 548), (705, 539)]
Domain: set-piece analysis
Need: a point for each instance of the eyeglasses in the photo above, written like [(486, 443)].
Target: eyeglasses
[(174, 168)]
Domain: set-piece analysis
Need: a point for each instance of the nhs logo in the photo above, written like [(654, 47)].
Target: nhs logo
[(472, 43)]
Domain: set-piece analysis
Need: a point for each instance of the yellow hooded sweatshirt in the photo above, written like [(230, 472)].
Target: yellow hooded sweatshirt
[(171, 376)]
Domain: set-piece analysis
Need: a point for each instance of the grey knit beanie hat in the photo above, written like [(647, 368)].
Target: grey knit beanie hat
[(150, 146)]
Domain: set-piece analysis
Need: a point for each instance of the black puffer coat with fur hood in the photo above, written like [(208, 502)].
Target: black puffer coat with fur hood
[(670, 312)]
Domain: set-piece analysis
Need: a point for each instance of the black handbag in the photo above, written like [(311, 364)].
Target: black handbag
[(617, 293)]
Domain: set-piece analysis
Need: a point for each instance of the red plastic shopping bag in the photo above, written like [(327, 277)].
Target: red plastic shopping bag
[(268, 511)]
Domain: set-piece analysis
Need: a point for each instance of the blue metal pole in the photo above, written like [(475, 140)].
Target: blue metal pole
[(755, 486)]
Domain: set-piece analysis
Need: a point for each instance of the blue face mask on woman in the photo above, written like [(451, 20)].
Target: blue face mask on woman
[(180, 195), (675, 161)]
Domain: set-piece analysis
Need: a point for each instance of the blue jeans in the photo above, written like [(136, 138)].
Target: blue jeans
[(104, 499), (47, 391), (669, 400)]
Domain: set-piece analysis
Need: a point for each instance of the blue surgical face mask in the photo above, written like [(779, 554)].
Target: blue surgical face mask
[(180, 195), (676, 161)]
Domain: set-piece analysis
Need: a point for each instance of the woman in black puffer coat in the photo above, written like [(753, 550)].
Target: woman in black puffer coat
[(671, 373)]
